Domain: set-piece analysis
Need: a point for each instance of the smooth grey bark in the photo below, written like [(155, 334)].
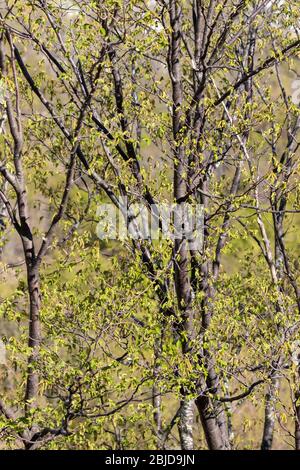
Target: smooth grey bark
[(32, 384), (209, 422)]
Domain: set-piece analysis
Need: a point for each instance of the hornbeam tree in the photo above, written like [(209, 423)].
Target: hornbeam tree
[(150, 103)]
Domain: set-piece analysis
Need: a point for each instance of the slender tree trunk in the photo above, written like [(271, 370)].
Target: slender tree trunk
[(156, 395), (276, 271), (34, 336), (186, 424), (212, 431), (181, 253), (212, 414), (269, 423), (297, 413), (213, 385), (297, 423)]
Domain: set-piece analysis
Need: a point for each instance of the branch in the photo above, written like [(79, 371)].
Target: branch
[(242, 395), (266, 64)]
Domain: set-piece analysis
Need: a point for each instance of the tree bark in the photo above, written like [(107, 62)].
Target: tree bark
[(269, 423), (34, 337), (156, 394), (212, 431), (181, 257), (297, 414), (297, 423), (186, 424)]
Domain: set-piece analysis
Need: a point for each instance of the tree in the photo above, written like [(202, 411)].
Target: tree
[(152, 103)]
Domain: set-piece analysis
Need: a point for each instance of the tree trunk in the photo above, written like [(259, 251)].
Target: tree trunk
[(297, 424), (210, 424), (297, 414), (156, 395), (185, 426), (181, 253), (34, 337), (269, 424)]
